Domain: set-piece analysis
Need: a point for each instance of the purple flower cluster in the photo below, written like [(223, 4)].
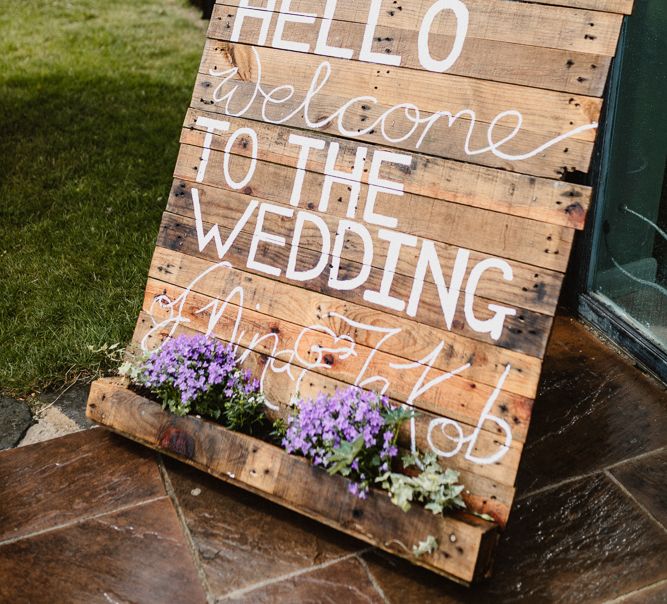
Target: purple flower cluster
[(190, 364), (194, 373), (325, 428)]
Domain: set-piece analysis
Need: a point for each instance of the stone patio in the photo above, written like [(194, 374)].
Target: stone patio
[(91, 517)]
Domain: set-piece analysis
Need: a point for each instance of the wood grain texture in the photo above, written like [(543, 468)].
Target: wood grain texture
[(457, 397), (610, 6), (557, 69), (539, 199), (527, 23), (481, 164), (525, 333), (545, 112), (560, 160), (529, 241), (290, 481), (531, 287), (412, 340), (487, 490)]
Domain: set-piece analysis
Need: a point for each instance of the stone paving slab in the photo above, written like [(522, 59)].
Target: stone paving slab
[(59, 412), (655, 594), (345, 582), (594, 409), (646, 480), (66, 479), (132, 555), (581, 542), (15, 419), (242, 540)]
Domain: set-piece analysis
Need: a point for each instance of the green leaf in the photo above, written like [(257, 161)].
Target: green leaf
[(428, 546), (343, 456), (435, 487)]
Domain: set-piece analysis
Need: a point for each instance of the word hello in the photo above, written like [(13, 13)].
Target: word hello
[(332, 243), (286, 15)]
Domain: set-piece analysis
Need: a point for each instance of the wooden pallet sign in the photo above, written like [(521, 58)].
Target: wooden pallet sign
[(385, 194)]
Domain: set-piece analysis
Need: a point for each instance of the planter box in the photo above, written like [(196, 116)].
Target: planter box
[(465, 542)]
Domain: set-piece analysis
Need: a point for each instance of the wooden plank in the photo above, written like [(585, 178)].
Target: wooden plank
[(544, 112), (553, 158), (525, 332), (540, 199), (409, 339), (509, 62), (524, 240), (489, 151), (291, 481), (537, 291), (314, 309), (501, 20), (490, 487), (314, 348), (609, 6)]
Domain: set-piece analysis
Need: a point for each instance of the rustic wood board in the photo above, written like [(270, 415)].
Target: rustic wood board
[(386, 195), (465, 541)]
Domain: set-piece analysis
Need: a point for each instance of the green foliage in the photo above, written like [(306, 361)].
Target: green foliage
[(278, 431), (245, 412), (92, 99), (343, 457), (353, 457), (436, 488), (428, 546)]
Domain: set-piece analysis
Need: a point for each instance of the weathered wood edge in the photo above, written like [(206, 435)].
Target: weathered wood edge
[(112, 405)]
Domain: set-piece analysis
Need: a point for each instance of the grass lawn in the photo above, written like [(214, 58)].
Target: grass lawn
[(92, 97)]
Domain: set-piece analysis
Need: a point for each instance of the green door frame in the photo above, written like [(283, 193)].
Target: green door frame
[(594, 307)]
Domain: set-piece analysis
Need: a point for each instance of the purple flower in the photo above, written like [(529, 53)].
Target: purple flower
[(192, 373), (320, 427)]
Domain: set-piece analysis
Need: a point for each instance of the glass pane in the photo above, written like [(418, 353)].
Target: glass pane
[(631, 260)]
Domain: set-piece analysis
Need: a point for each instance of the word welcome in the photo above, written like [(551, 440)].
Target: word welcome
[(414, 119)]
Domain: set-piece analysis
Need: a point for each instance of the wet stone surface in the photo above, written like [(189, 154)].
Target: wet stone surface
[(655, 594), (15, 419), (646, 480), (59, 412), (92, 517), (71, 401), (594, 409), (66, 479), (583, 542), (242, 539), (345, 582), (133, 555)]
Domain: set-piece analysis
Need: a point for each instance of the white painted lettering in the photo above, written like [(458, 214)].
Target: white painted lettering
[(246, 11), (362, 232), (260, 236), (379, 185), (316, 271), (461, 12), (494, 325)]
